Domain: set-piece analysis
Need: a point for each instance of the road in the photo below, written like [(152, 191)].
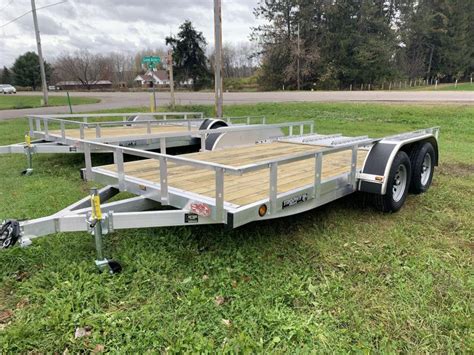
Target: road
[(115, 100)]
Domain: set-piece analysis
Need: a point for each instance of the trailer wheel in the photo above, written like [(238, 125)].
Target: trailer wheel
[(397, 185), (114, 267), (9, 234), (422, 161)]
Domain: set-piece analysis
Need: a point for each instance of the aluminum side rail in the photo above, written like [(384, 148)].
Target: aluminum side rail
[(124, 115), (39, 125)]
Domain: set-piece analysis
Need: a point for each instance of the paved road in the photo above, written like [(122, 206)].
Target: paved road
[(114, 100)]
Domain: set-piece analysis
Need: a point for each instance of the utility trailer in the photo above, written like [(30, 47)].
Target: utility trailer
[(62, 133), (237, 183)]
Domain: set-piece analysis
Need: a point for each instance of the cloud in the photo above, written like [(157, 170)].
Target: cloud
[(116, 25)]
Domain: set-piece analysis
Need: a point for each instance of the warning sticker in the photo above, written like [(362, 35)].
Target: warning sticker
[(191, 218)]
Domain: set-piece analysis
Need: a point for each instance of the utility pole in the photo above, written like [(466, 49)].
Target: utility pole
[(40, 53), (298, 61), (218, 57), (170, 68)]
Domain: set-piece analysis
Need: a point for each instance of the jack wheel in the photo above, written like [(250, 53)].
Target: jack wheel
[(114, 267), (9, 234)]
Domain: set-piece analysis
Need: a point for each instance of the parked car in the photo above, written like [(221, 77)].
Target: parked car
[(7, 89)]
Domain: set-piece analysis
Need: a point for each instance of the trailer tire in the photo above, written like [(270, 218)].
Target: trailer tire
[(422, 161), (397, 186)]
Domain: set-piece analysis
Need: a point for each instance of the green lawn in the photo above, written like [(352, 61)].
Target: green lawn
[(342, 278), (447, 87), (8, 102)]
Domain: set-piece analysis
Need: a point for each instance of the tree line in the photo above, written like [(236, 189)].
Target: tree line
[(333, 44), (192, 62), (304, 44)]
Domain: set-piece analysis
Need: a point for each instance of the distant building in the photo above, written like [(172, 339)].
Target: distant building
[(157, 77), (76, 85)]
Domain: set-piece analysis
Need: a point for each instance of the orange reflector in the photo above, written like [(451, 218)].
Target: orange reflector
[(262, 210), (379, 178)]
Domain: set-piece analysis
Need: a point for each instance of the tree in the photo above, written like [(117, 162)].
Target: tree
[(343, 42), (122, 67), (189, 57), (6, 77), (84, 67), (26, 70)]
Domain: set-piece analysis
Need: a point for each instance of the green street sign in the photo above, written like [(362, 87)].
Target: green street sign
[(151, 60)]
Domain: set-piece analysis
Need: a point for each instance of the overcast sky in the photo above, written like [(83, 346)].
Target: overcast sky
[(114, 25)]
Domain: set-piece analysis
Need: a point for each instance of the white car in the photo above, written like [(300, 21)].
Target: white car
[(7, 89)]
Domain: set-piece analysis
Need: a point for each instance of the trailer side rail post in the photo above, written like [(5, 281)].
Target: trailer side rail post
[(38, 124), (46, 130), (88, 161), (97, 131), (81, 130), (273, 191), (318, 167), (118, 160), (164, 195), (63, 131), (219, 194), (31, 126), (353, 177), (203, 142)]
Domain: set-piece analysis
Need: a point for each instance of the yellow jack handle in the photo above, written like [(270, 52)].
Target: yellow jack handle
[(95, 204), (28, 140)]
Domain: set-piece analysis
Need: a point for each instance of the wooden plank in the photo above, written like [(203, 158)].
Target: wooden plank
[(249, 187)]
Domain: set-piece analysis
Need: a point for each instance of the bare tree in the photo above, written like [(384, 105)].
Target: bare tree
[(84, 67), (122, 67), (238, 60)]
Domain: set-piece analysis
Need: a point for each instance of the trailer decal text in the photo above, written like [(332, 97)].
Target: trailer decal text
[(294, 200)]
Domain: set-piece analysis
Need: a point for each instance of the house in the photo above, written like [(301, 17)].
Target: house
[(157, 77), (77, 85)]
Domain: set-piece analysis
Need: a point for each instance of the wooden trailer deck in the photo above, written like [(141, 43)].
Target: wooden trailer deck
[(250, 187), (121, 132)]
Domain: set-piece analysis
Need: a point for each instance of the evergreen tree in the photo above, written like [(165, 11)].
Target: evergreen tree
[(189, 57), (6, 77), (344, 42), (26, 70)]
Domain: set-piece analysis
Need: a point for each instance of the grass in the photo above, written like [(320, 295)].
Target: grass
[(342, 278), (8, 102), (447, 87)]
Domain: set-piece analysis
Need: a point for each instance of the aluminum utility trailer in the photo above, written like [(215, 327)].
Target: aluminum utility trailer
[(237, 184), (61, 133)]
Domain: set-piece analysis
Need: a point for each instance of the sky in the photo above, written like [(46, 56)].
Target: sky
[(102, 26)]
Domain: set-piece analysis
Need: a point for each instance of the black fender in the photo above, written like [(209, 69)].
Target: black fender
[(380, 158), (211, 138)]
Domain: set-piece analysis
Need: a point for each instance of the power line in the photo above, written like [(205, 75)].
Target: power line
[(28, 12)]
